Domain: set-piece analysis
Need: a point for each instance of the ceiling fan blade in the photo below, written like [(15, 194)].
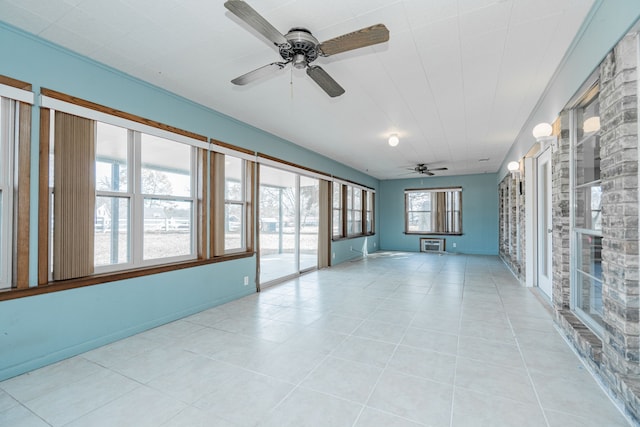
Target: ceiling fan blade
[(438, 169), (428, 173), (245, 12), (325, 81), (363, 37), (258, 73)]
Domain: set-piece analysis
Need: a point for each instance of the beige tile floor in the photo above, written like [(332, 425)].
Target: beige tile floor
[(395, 340)]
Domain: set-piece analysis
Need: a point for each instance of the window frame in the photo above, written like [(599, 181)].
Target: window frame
[(337, 191), (242, 203), (449, 214), (18, 99), (354, 211), (579, 232), (347, 210), (137, 197), (218, 201), (369, 212), (136, 266)]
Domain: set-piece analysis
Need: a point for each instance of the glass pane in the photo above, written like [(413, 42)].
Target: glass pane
[(233, 178), (419, 201), (337, 223), (419, 221), (167, 228), (111, 241), (369, 224), (309, 217), (590, 255), (357, 222), (337, 193), (587, 161), (357, 198), (588, 208), (588, 119), (350, 219), (349, 197), (233, 228), (278, 241), (111, 158), (166, 167), (590, 297)]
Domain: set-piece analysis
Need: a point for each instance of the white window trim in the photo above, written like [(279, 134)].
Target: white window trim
[(9, 116), (576, 233), (16, 94), (448, 190), (67, 107), (242, 202), (9, 96), (136, 209)]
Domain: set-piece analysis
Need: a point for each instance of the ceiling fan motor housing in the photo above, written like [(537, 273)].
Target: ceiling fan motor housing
[(303, 47)]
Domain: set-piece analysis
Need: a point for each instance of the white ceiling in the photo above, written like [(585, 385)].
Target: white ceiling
[(457, 79)]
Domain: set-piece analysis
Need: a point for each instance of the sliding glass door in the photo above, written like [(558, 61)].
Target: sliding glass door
[(309, 221), (288, 224)]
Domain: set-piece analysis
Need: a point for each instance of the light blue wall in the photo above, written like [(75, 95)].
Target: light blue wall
[(479, 214), (38, 330)]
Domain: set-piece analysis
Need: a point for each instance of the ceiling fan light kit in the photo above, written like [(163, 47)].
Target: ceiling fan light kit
[(300, 48)]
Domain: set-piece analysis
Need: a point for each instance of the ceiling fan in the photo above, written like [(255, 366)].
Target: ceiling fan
[(300, 48), (423, 169)]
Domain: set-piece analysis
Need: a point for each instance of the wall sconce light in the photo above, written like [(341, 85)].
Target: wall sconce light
[(542, 130), (514, 168), (543, 133), (394, 140)]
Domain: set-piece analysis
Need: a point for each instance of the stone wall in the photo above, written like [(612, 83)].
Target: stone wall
[(619, 171), (512, 224), (614, 356)]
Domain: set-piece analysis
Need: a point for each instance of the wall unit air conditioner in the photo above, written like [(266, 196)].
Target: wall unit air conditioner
[(429, 244)]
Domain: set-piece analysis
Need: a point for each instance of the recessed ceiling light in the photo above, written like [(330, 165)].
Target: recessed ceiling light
[(394, 140), (484, 160)]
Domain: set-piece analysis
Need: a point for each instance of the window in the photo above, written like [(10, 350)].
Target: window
[(586, 286), (433, 211), (16, 99), (232, 212), (143, 212), (337, 210), (369, 212), (121, 195), (234, 204), (354, 211)]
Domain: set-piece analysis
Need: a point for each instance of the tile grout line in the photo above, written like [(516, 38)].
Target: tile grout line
[(384, 369), (455, 368), (524, 362)]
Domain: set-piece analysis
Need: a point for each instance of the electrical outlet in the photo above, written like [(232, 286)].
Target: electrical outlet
[(246, 280), (374, 244), (350, 248), (333, 255), (454, 244)]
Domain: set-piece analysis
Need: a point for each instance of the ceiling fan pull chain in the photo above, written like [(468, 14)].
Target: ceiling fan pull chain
[(291, 82)]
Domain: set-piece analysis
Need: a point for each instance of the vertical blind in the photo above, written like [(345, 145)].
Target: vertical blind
[(74, 196)]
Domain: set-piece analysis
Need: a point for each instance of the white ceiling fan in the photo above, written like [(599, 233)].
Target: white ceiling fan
[(300, 48)]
